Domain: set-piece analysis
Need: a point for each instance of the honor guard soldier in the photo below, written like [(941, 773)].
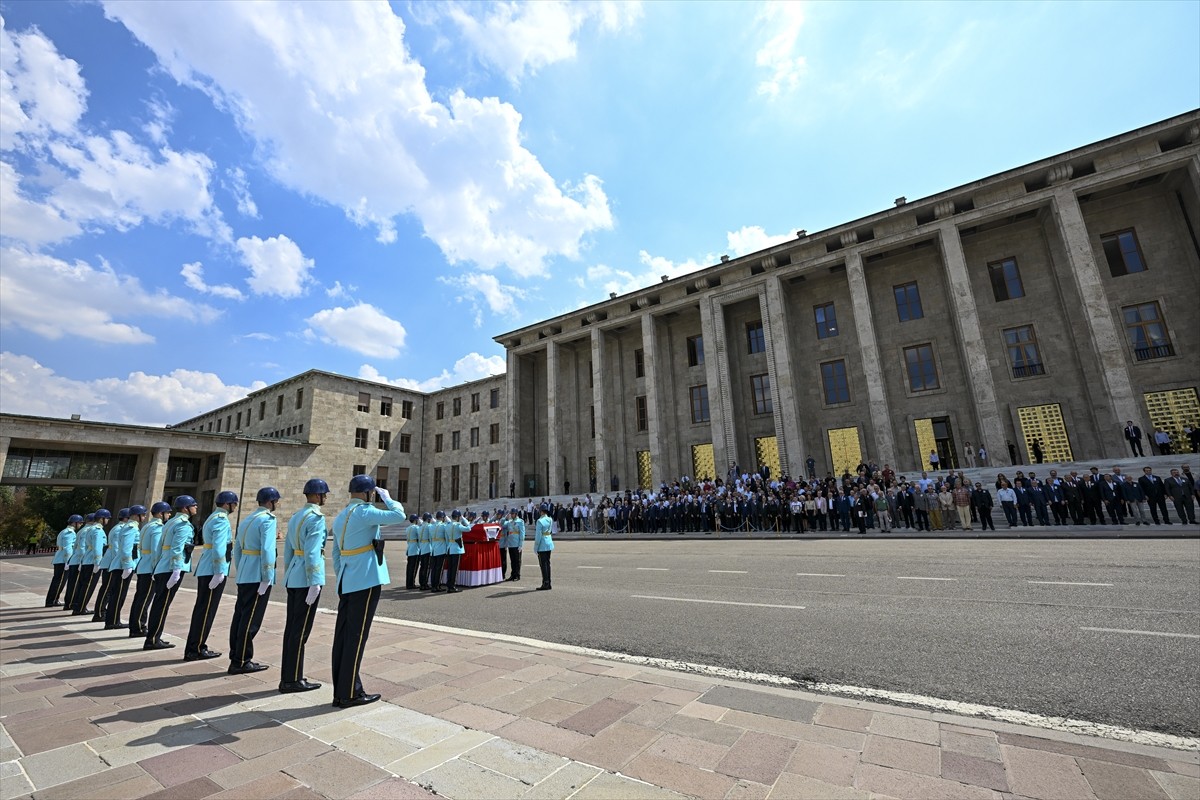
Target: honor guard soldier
[(149, 549), (514, 540), (502, 544), (361, 570), (254, 559), (426, 541), (73, 563), (124, 561), (174, 559), (412, 536), (211, 570), (104, 568), (455, 529), (438, 546), (543, 545), (66, 546), (304, 575), (93, 551)]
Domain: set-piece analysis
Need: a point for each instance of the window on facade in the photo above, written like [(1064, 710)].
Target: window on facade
[(360, 437), (439, 411), (405, 443), (1006, 280), (922, 372), (455, 440), (385, 440), (437, 443), (493, 478), (364, 401), (592, 415), (473, 480), (642, 415), (494, 433), (639, 363), (218, 424), (698, 396), (494, 399), (406, 409), (457, 406), (239, 420), (695, 351), (300, 397), (756, 341), (760, 388), (454, 476), (474, 437), (278, 405), (262, 410), (908, 301), (437, 484), (826, 319), (229, 423), (1122, 253), (1023, 354), (381, 477), (1147, 332), (402, 484), (474, 401), (211, 467), (591, 375), (385, 406), (209, 426), (835, 383)]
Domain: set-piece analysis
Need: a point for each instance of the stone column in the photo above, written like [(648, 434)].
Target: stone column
[(716, 370), (554, 454), (1118, 402), (599, 386), (654, 425), (880, 411), (512, 423), (779, 366), (975, 358), (156, 480)]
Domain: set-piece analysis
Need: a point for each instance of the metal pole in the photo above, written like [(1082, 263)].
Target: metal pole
[(242, 491)]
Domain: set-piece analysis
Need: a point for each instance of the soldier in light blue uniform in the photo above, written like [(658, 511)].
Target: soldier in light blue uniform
[(211, 570), (513, 542), (124, 548), (455, 550), (412, 537), (543, 545), (426, 541), (304, 575), (149, 549), (104, 568), (254, 561), (361, 570), (438, 545), (74, 561), (93, 551), (66, 547), (174, 559)]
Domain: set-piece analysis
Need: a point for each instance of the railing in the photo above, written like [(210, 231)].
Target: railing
[(1157, 351), (1026, 370)]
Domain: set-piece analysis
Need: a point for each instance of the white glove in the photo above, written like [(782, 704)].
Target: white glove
[(263, 586), (216, 581), (313, 593), (174, 579), (383, 494), (125, 573)]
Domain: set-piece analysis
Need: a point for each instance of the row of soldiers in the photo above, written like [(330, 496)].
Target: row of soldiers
[(435, 544), (157, 544)]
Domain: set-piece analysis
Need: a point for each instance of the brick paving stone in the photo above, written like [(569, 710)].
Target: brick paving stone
[(830, 764), (13, 780), (984, 747), (1083, 751), (500, 662), (255, 768), (63, 765), (393, 789), (677, 696), (591, 668), (302, 793), (334, 732), (902, 754), (195, 789), (607, 786), (270, 785), (637, 692), (427, 758), (496, 687), (254, 742), (967, 731), (901, 727), (463, 780), (552, 711), (563, 783), (714, 732), (703, 711), (792, 786), (1191, 769), (748, 790), (54, 735), (337, 774), (597, 716), (180, 766), (834, 737), (686, 750), (527, 764), (615, 746), (475, 678), (763, 703), (758, 757), (898, 783), (652, 714), (832, 715), (591, 691), (683, 778), (974, 771), (1116, 782), (535, 672), (480, 718), (375, 748), (775, 725), (1044, 775), (1178, 787)]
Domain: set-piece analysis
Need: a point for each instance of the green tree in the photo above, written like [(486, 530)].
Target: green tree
[(53, 507), (16, 520)]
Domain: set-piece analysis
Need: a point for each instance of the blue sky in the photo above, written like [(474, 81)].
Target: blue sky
[(200, 198)]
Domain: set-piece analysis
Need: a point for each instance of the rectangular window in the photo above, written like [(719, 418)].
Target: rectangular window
[(364, 401), (402, 484), (1122, 253), (385, 440), (756, 341), (474, 401), (826, 319), (833, 379), (1147, 332), (455, 440), (641, 413), (381, 477), (229, 423), (437, 443), (698, 397), (211, 467), (360, 437), (908, 301), (495, 398), (406, 409), (440, 410), (278, 405), (494, 433), (300, 398), (695, 351), (454, 476), (1023, 354), (405, 443), (262, 410), (473, 480), (493, 479), (592, 414), (239, 420), (922, 372), (359, 469), (1006, 280), (385, 406), (591, 376), (760, 388), (457, 406), (639, 363), (209, 426), (437, 484), (475, 437)]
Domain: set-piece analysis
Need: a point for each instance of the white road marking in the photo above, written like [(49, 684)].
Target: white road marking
[(713, 602), (654, 569), (589, 568), (918, 578), (730, 571), (819, 575), (1069, 583), (1143, 633)]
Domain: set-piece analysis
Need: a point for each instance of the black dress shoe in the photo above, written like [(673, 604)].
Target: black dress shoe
[(203, 655), (247, 668), (437, 589), (542, 588), (118, 627), (159, 645), (302, 685), (360, 700), (452, 590)]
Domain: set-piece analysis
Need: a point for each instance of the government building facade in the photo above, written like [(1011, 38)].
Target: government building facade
[(1047, 304)]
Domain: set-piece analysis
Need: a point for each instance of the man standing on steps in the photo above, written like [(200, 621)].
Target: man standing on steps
[(149, 549), (174, 559), (66, 546), (304, 575), (211, 570), (1156, 493), (254, 559), (1133, 435)]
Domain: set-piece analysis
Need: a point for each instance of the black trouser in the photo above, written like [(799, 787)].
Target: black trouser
[(1156, 504), (1185, 507), (503, 563), (514, 557), (985, 518), (1116, 512), (423, 572), (71, 588), (435, 568), (907, 513), (1042, 515), (139, 609), (300, 616), (56, 585), (248, 614), (117, 589), (410, 572), (922, 520), (1059, 510), (350, 632), (1026, 512), (544, 563), (1135, 446), (160, 605), (207, 602), (105, 581), (452, 569), (1010, 512), (87, 585)]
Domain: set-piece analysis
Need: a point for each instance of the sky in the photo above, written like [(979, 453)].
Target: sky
[(198, 199)]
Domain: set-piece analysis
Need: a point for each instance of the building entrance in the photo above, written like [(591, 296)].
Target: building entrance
[(845, 451), (703, 465), (936, 434), (1171, 410), (1044, 425), (766, 453)]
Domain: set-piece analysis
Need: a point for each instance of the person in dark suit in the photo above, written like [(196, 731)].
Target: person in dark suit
[(1024, 504), (1156, 493), (1180, 493), (981, 501), (1133, 435), (1113, 501), (1093, 497)]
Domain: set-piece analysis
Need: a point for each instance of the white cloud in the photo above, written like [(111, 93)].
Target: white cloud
[(500, 299), (362, 328), (239, 187), (277, 267), (27, 387), (28, 221), (260, 336), (752, 238), (778, 54), (162, 114), (56, 299), (40, 91), (340, 291), (341, 112), (193, 276), (521, 38), (470, 367)]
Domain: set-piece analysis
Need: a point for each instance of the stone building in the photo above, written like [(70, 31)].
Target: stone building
[(1048, 303)]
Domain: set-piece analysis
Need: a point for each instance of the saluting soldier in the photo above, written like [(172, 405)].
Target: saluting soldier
[(502, 545), (149, 549), (66, 547), (361, 570), (125, 558), (514, 540), (425, 537), (439, 545), (104, 568), (174, 559), (74, 561), (455, 529), (412, 537), (93, 551), (211, 570), (304, 549), (254, 558)]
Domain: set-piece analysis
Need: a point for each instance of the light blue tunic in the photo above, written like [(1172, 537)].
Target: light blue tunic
[(178, 532), (412, 535), (426, 538), (122, 548), (354, 530), (440, 540), (304, 548), (114, 538), (217, 535), (542, 540), (149, 546), (516, 534), (66, 545), (254, 548), (454, 534)]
